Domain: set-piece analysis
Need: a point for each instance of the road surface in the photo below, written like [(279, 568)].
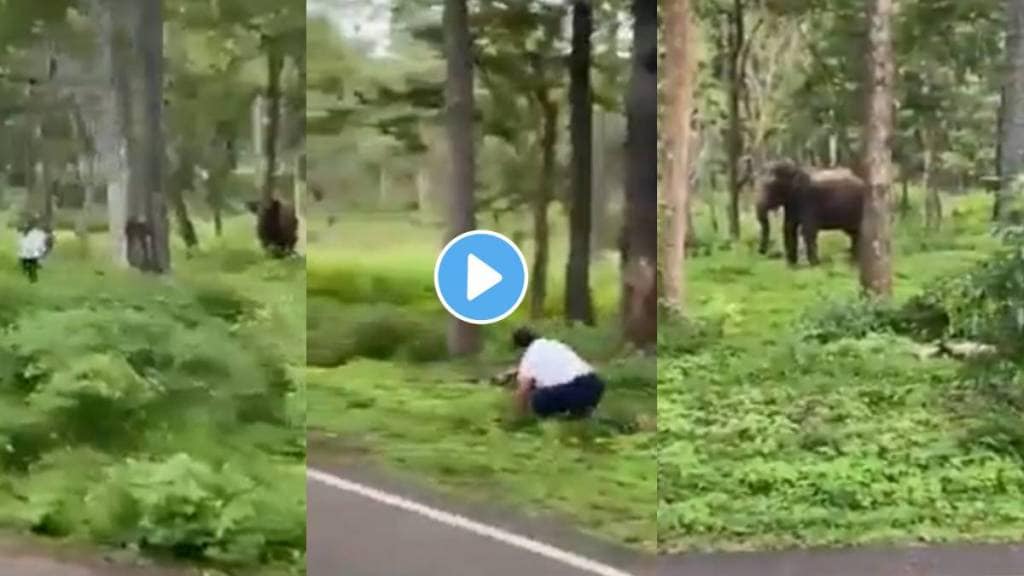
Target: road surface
[(352, 533), (945, 560)]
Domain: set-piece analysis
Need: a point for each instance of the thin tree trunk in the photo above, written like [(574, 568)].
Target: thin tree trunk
[(85, 177), (1012, 129), (153, 251), (542, 201), (679, 104), (736, 84), (640, 295), (578, 304), (904, 194), (875, 249), (599, 188), (275, 64), (299, 196), (932, 202), (463, 338)]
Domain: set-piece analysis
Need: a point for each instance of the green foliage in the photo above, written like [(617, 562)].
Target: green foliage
[(155, 415), (337, 334), (815, 420)]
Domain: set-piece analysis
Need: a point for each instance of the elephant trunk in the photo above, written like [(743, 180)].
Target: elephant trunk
[(762, 218)]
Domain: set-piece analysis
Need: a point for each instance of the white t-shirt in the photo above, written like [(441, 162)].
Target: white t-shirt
[(32, 244), (551, 363)]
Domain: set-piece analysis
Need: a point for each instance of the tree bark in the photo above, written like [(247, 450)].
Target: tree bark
[(640, 298), (463, 338), (578, 304), (147, 229), (736, 83), (932, 201), (1011, 147), (875, 248), (679, 104), (541, 203), (275, 64)]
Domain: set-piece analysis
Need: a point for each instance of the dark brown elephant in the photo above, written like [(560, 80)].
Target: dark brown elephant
[(811, 201), (276, 226)]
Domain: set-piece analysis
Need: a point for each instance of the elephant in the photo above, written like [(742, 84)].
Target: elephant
[(276, 226), (812, 200)]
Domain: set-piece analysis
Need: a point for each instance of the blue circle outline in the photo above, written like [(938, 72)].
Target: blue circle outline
[(522, 291)]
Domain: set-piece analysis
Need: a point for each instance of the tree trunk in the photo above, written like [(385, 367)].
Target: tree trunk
[(904, 195), (736, 83), (932, 201), (275, 63), (599, 187), (463, 338), (300, 195), (639, 293), (875, 248), (85, 177), (1012, 130), (679, 103), (542, 201), (123, 191), (578, 304), (147, 232)]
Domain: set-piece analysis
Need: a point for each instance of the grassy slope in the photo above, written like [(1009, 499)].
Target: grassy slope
[(767, 440), (227, 269), (443, 421)]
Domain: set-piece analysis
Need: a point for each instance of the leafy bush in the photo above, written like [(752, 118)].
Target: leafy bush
[(339, 333), (107, 377), (192, 509), (840, 319), (678, 336)]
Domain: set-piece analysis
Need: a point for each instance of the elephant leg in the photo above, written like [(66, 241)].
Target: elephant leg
[(854, 246), (762, 218), (810, 234), (790, 238)]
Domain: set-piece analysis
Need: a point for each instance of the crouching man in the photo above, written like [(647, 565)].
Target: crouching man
[(552, 379)]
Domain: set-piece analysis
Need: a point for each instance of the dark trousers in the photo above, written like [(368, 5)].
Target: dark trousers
[(30, 266), (577, 398)]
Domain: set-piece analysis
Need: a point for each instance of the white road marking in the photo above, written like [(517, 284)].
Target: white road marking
[(461, 522)]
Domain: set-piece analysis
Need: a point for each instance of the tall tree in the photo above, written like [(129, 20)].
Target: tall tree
[(680, 76), (737, 69), (148, 235), (272, 98), (639, 293), (463, 338), (578, 302), (1011, 147), (875, 245)]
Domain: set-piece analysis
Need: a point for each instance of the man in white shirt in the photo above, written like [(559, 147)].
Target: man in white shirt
[(33, 244), (552, 379)]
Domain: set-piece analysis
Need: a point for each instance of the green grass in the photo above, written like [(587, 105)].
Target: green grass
[(380, 382), (161, 414), (770, 438)]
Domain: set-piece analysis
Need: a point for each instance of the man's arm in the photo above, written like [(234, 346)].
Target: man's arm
[(524, 386)]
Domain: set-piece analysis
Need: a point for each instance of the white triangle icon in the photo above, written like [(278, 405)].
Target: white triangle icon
[(479, 277)]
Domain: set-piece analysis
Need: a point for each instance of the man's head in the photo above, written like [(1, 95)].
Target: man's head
[(523, 337)]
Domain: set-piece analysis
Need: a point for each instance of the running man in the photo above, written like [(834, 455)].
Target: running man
[(33, 244)]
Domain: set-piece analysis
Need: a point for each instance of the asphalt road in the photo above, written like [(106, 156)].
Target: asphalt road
[(945, 560), (353, 535)]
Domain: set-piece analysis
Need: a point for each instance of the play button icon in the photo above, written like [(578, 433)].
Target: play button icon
[(480, 277)]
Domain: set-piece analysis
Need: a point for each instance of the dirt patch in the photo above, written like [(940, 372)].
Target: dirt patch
[(21, 556)]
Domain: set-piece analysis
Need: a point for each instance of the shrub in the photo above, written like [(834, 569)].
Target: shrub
[(338, 333), (678, 336), (193, 509)]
